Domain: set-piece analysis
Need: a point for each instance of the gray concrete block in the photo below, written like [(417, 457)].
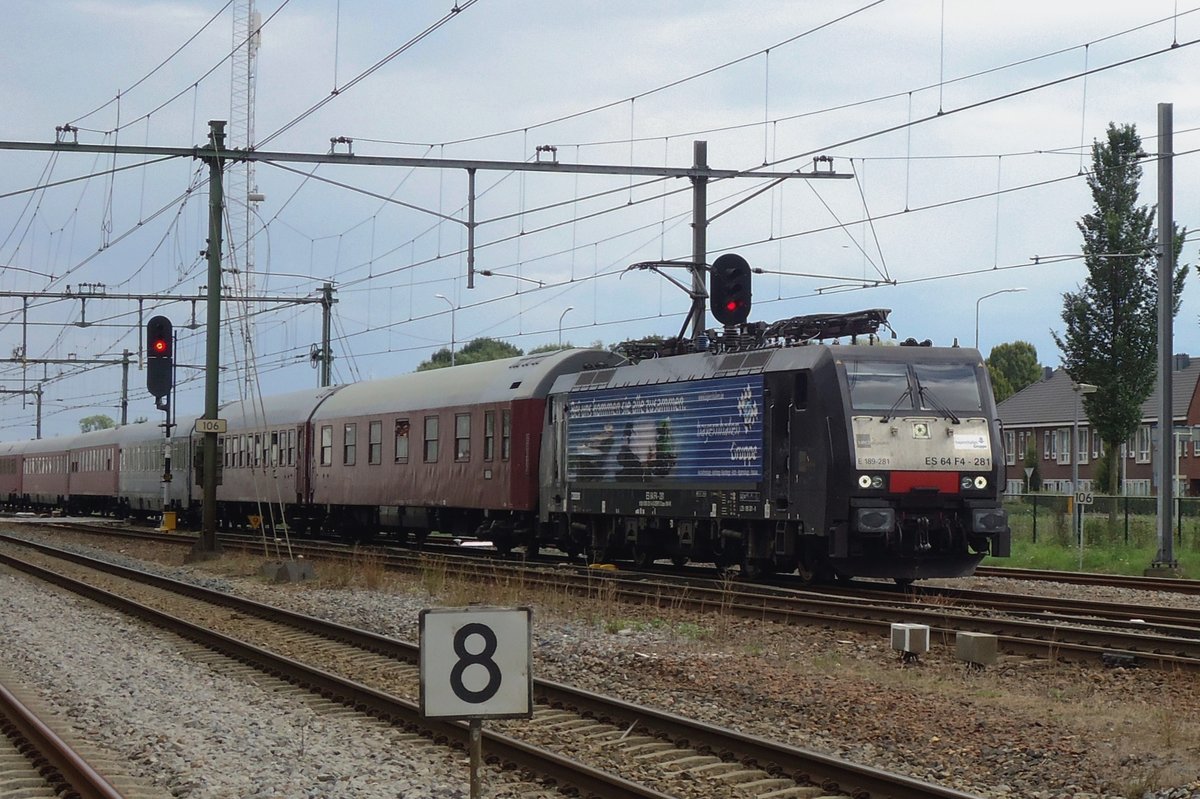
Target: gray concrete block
[(287, 571), (910, 638), (978, 648)]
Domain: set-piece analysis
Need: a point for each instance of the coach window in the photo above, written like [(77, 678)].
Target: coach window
[(375, 443), (274, 447), (505, 434), (401, 441), (462, 436), (258, 449), (489, 435), (431, 439), (327, 445), (349, 443)]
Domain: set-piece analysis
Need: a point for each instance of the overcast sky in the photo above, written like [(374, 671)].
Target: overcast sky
[(965, 125)]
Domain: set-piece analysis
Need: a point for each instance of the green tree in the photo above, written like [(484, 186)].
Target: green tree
[(97, 422), (1012, 367), (476, 351), (551, 347), (1001, 388), (1104, 470), (1112, 321)]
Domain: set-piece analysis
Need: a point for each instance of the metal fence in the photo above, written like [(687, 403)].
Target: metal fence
[(1125, 520)]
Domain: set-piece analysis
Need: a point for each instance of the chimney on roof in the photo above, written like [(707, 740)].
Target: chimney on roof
[(1047, 372), (1182, 361)]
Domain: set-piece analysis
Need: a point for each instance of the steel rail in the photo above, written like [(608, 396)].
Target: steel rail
[(1177, 585), (1042, 638), (801, 764), (549, 765), (76, 774)]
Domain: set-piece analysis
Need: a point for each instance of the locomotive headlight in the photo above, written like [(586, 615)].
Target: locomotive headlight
[(981, 482), (874, 481)]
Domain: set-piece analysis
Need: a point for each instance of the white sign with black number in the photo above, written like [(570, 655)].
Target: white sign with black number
[(475, 663), (1084, 497)]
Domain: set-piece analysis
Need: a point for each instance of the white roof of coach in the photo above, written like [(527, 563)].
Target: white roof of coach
[(281, 409), (502, 380)]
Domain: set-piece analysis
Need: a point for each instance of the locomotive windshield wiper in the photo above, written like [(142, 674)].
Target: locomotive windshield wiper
[(895, 405), (937, 404)]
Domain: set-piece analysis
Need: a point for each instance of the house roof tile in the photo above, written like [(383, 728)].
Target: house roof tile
[(1051, 401)]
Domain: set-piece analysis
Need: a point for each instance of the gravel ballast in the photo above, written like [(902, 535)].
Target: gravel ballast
[(1024, 728)]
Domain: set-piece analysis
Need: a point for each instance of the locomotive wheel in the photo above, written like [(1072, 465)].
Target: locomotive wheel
[(807, 574), (679, 561), (754, 568)]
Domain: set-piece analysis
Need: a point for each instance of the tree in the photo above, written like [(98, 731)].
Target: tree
[(1112, 321), (551, 347), (97, 422), (476, 351), (1012, 367)]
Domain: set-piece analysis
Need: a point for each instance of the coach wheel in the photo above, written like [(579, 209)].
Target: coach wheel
[(679, 561), (904, 582)]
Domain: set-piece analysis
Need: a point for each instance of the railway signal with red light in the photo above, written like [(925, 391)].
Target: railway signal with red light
[(729, 289), (160, 361)]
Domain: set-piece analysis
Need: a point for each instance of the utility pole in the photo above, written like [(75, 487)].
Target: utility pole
[(699, 235), (1164, 561), (326, 351), (125, 387), (207, 546)]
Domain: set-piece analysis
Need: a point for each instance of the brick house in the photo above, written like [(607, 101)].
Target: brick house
[(1045, 412)]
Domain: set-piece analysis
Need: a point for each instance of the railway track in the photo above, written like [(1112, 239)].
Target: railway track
[(36, 761), (676, 755), (1171, 584), (1104, 632)]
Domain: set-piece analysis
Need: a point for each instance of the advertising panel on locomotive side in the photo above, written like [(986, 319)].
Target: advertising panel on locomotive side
[(700, 431)]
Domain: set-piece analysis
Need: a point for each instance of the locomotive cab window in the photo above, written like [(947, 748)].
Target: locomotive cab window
[(878, 386), (940, 388), (950, 385)]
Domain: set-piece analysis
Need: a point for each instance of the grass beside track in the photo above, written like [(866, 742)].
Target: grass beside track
[(1126, 545)]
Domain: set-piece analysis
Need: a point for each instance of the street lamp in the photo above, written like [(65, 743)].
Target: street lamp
[(560, 318), (447, 299), (981, 299), (1076, 516)]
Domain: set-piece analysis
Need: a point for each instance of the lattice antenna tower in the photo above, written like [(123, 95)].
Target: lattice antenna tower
[(241, 192)]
